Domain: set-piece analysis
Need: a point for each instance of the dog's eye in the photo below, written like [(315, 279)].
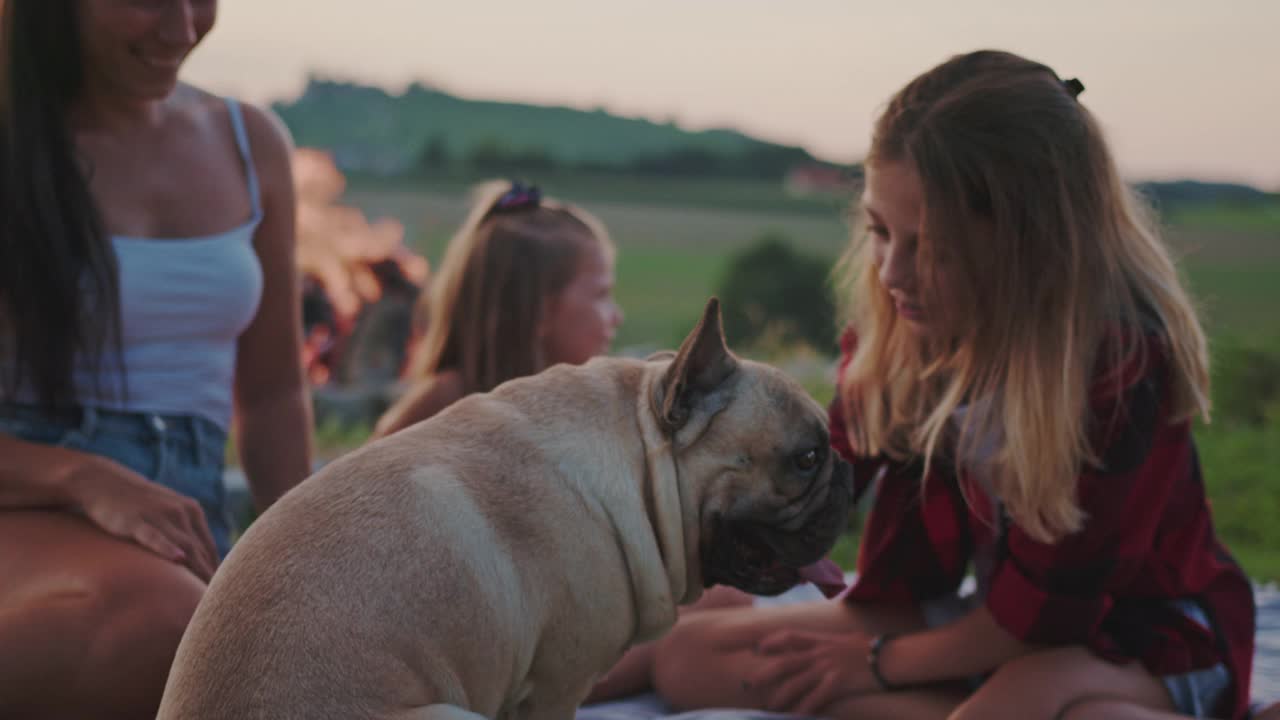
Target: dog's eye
[(807, 460)]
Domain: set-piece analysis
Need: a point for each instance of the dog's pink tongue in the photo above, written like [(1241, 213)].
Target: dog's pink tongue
[(826, 575)]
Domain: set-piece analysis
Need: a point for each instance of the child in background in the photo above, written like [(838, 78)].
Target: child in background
[(1018, 378), (526, 283)]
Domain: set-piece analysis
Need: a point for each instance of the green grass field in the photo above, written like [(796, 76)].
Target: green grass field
[(673, 252)]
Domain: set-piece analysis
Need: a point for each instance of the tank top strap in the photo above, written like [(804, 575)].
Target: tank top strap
[(246, 154)]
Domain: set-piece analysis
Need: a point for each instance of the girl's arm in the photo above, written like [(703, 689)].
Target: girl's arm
[(1044, 594), (972, 645), (1040, 594), (33, 475), (273, 407)]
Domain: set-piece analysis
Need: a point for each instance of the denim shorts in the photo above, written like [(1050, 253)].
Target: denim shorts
[(1193, 693), (182, 452)]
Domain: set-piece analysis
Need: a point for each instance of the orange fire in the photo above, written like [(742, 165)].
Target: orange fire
[(345, 260)]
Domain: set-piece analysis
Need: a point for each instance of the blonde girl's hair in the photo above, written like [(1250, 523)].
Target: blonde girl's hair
[(482, 308), (1053, 271)]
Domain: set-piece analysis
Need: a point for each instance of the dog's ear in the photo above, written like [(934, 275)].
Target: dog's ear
[(700, 367)]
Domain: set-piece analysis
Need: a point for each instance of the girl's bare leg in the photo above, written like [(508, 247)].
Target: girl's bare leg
[(633, 674), (1068, 682)]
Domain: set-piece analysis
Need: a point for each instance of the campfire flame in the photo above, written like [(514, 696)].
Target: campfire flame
[(347, 262)]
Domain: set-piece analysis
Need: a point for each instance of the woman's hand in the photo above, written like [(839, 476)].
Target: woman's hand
[(131, 507), (802, 672)]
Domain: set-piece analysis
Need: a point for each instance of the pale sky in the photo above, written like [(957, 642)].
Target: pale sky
[(1185, 88)]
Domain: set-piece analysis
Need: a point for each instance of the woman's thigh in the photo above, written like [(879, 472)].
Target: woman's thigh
[(100, 617), (50, 556)]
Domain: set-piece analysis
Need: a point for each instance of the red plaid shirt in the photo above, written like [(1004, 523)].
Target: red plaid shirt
[(1148, 539)]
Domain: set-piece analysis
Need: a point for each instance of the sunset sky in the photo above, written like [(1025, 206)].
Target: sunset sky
[(1185, 88)]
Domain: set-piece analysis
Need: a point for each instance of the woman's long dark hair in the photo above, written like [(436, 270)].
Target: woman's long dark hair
[(59, 294)]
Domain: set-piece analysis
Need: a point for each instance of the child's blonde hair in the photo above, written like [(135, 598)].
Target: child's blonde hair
[(483, 306), (1052, 266)]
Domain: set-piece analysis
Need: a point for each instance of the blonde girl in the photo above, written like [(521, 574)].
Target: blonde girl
[(1019, 374)]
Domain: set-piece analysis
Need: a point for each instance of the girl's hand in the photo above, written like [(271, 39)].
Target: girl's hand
[(129, 506), (802, 672)]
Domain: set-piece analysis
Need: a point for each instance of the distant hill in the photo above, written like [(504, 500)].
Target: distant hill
[(369, 129), (1194, 192), (423, 129)]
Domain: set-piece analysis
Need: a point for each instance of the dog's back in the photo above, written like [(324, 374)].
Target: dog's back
[(394, 577)]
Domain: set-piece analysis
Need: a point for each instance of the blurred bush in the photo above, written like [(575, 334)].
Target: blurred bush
[(1246, 383), (776, 298)]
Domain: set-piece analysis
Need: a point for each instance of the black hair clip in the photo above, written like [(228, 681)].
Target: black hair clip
[(519, 197), (1074, 87)]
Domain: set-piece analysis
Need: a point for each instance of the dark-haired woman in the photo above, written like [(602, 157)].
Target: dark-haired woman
[(147, 299)]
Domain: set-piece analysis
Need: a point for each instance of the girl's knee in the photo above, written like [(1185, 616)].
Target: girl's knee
[(686, 640), (991, 706), (1067, 682), (669, 676), (1015, 690), (683, 654)]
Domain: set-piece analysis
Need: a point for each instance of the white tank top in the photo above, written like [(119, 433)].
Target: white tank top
[(183, 304)]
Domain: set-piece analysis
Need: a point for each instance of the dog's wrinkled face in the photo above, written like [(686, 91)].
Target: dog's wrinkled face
[(773, 514), (773, 497)]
